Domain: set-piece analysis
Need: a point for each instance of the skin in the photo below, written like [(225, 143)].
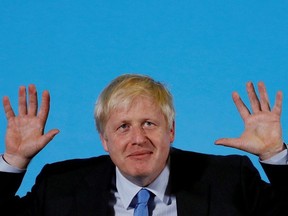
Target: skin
[(263, 133), (137, 139), (25, 133)]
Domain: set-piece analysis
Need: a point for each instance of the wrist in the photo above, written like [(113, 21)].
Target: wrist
[(15, 161), (271, 154)]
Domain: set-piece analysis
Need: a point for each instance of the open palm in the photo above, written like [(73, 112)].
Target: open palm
[(263, 133), (25, 133)]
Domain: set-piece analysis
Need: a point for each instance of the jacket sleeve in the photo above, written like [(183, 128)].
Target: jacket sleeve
[(278, 176), (9, 184)]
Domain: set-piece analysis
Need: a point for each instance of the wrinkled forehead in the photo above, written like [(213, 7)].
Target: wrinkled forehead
[(125, 103)]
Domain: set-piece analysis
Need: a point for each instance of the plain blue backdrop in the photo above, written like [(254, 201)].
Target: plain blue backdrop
[(202, 50)]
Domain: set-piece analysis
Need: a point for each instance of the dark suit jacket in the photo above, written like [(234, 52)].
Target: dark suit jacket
[(203, 185)]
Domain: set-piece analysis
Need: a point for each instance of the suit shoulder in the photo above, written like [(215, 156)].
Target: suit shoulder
[(209, 167), (65, 177), (185, 156), (78, 165)]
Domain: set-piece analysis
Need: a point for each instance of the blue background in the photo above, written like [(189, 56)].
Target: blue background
[(202, 50)]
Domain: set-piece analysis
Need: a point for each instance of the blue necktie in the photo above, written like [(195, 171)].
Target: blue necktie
[(141, 208)]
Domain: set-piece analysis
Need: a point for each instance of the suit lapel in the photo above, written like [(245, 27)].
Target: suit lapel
[(194, 201), (192, 194), (93, 192)]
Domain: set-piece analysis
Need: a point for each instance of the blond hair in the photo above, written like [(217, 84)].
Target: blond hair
[(124, 89)]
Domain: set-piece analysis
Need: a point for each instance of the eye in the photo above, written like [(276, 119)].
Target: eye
[(148, 124), (123, 127)]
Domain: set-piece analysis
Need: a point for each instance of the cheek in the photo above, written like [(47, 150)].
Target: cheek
[(113, 145), (167, 136)]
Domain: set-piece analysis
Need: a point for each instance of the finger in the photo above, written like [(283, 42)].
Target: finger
[(46, 138), (8, 108), (33, 102), (241, 107), (264, 100), (254, 101), (45, 106), (278, 103), (22, 104), (230, 142)]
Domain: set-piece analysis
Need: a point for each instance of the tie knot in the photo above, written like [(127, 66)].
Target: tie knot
[(143, 196)]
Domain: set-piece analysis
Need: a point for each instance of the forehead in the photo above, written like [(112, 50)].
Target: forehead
[(139, 104), (141, 107)]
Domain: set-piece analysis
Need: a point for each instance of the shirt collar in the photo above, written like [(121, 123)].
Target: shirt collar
[(127, 190)]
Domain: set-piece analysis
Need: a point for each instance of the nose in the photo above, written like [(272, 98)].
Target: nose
[(138, 135)]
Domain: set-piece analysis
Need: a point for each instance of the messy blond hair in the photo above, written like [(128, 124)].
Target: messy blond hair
[(124, 89)]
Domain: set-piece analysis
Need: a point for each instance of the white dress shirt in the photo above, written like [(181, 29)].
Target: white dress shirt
[(163, 204)]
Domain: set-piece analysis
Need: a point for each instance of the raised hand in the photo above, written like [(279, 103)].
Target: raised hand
[(25, 133), (263, 133)]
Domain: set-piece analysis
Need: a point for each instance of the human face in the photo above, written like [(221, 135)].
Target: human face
[(138, 140)]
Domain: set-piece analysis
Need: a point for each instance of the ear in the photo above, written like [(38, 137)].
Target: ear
[(172, 132), (104, 142)]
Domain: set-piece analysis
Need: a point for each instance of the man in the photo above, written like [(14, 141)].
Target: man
[(135, 119)]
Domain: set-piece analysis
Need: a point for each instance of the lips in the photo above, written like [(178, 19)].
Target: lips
[(140, 154)]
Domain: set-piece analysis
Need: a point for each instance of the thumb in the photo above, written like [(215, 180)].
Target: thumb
[(46, 138), (229, 142)]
